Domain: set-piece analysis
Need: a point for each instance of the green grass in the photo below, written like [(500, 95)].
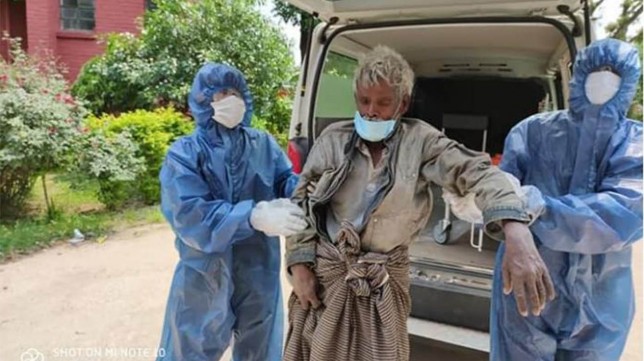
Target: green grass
[(67, 198), (77, 208)]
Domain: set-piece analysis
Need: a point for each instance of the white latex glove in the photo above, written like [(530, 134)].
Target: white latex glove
[(279, 217), (465, 208)]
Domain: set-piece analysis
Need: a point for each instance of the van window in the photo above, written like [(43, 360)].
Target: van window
[(335, 90), (565, 71)]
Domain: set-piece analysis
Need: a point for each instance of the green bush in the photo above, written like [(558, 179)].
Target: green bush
[(114, 82), (40, 125), (177, 38), (635, 111), (263, 125), (112, 160), (152, 132)]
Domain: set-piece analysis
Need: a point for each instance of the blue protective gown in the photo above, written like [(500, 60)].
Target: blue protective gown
[(587, 163), (227, 281)]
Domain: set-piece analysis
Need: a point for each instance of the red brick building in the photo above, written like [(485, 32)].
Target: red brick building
[(67, 28)]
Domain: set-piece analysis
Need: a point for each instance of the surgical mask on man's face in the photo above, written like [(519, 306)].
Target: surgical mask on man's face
[(373, 130), (229, 111), (601, 86)]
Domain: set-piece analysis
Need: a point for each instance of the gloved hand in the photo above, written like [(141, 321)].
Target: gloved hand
[(279, 217), (465, 207)]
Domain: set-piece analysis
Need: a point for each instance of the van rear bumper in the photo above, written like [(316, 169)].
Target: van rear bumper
[(459, 336)]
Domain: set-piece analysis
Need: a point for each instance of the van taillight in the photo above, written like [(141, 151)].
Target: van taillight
[(295, 155)]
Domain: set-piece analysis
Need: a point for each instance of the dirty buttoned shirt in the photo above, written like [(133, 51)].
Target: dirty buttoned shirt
[(416, 156)]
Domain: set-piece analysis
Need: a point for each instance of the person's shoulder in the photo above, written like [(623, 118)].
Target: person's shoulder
[(185, 141), (416, 124), (183, 147), (543, 120), (337, 132), (254, 132), (629, 143), (339, 127), (260, 135), (418, 129), (635, 128), (634, 124)]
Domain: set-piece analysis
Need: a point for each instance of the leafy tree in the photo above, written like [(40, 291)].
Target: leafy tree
[(293, 15), (628, 22), (628, 18), (178, 37)]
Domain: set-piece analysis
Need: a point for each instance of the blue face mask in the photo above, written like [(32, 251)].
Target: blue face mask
[(373, 130)]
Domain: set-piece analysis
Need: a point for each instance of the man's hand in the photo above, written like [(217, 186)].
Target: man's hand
[(310, 187), (524, 272), (305, 286)]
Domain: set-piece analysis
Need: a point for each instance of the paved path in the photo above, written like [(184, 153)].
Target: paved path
[(106, 301)]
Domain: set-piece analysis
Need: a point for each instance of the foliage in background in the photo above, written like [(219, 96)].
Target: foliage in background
[(636, 111), (41, 124), (628, 18), (627, 23), (340, 65), (30, 234), (115, 81), (261, 124), (125, 153), (293, 15), (114, 163), (177, 38), (335, 64), (627, 27)]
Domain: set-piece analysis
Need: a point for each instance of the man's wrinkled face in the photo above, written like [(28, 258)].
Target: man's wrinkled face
[(380, 102)]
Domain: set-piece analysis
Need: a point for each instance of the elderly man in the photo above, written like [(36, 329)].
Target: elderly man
[(371, 200), (587, 165)]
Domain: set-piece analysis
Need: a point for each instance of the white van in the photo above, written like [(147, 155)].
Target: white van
[(482, 66)]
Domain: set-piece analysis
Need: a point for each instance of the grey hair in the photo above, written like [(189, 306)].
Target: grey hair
[(384, 63)]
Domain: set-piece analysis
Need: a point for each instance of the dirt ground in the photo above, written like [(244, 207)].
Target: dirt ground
[(106, 301)]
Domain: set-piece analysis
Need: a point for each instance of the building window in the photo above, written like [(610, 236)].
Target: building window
[(77, 14)]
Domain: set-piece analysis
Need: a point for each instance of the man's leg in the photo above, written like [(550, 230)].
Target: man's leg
[(512, 336), (257, 301), (199, 320)]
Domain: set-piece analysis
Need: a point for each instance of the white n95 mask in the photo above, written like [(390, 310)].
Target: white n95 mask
[(229, 111), (601, 86)]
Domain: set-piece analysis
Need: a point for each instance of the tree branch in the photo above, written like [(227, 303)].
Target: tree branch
[(636, 37), (594, 5), (620, 27)]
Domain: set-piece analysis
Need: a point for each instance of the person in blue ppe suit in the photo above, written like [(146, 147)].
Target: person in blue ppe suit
[(223, 191), (585, 165)]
